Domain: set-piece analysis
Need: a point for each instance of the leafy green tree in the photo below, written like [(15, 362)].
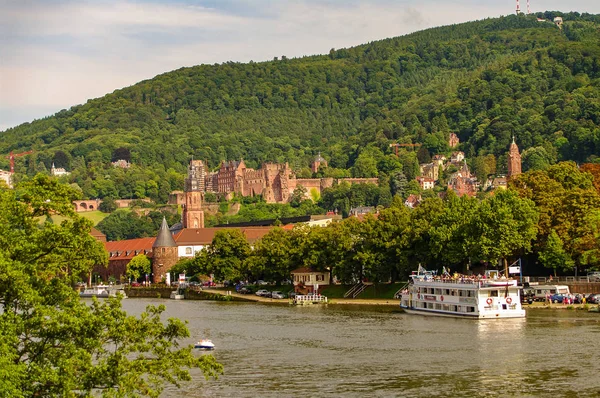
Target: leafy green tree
[(108, 205), (138, 266), (504, 223), (53, 343), (298, 196), (271, 256), (553, 255), (226, 257)]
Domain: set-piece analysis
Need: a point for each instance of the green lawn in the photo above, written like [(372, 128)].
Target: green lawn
[(95, 216)]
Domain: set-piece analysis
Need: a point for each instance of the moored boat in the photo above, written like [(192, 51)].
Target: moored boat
[(462, 296), (102, 291), (204, 344)]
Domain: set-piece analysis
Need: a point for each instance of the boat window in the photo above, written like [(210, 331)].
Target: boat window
[(438, 291), (454, 308), (424, 305), (430, 306), (446, 292), (494, 293), (446, 307), (470, 309), (438, 306)]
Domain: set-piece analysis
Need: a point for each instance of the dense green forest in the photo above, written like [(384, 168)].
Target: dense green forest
[(486, 81)]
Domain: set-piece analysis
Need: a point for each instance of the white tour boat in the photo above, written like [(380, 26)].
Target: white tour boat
[(205, 344), (102, 291), (462, 296)]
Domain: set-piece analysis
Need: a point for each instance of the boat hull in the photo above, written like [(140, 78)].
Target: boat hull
[(488, 315)]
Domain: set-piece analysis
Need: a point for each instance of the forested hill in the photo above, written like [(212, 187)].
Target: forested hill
[(485, 80)]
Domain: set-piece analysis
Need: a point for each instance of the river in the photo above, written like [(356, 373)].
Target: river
[(352, 351)]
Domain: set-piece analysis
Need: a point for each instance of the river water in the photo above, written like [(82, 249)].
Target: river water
[(351, 351)]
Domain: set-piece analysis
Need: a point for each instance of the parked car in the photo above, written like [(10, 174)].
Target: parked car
[(135, 284), (557, 298), (260, 282), (245, 290), (294, 294), (594, 276), (277, 295), (263, 293), (593, 299)]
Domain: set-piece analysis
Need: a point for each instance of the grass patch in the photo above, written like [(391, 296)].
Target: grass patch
[(95, 216)]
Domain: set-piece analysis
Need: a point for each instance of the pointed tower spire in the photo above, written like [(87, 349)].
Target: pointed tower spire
[(164, 237)]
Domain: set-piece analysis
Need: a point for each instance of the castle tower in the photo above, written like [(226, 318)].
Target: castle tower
[(164, 253), (196, 178), (514, 160), (319, 160)]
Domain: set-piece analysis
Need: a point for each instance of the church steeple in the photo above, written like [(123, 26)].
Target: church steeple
[(514, 160)]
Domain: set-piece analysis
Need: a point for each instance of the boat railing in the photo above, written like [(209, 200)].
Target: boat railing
[(310, 298), (481, 282)]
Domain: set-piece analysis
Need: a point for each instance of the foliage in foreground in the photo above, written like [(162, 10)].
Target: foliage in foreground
[(52, 343)]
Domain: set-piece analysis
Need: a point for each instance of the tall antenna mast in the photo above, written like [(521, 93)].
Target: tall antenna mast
[(528, 10), (518, 8)]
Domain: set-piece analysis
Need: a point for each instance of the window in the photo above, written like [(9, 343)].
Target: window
[(188, 250), (494, 293)]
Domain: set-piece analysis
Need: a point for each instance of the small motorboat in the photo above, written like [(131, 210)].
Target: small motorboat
[(204, 344)]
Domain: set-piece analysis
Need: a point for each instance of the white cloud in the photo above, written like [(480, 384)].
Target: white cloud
[(61, 54)]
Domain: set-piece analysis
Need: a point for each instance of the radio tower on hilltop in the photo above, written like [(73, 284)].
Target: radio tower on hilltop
[(518, 8), (528, 10)]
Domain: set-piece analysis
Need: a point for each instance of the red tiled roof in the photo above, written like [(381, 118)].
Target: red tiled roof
[(205, 236), (127, 249)]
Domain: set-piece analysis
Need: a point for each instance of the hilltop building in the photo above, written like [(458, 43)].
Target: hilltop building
[(58, 171), (453, 141), (318, 162), (462, 182), (274, 181), (514, 160), (6, 176), (122, 163)]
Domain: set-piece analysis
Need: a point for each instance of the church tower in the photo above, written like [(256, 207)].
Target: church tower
[(514, 160), (164, 253), (193, 216)]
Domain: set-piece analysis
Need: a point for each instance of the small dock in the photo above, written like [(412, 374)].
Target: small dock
[(308, 299)]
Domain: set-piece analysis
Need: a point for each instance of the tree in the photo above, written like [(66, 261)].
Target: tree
[(121, 154), (53, 343), (61, 160), (503, 224), (553, 255), (226, 256), (298, 196), (138, 266), (108, 205)]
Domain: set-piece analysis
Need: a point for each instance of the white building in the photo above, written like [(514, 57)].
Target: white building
[(57, 172), (6, 176)]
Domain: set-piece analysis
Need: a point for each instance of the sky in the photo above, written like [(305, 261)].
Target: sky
[(58, 53)]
